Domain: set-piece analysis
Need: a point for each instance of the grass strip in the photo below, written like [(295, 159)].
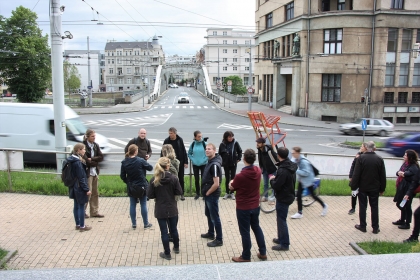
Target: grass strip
[(3, 253), (377, 247), (358, 144)]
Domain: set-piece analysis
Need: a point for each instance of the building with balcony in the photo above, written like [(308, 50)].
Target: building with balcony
[(226, 53), (129, 64), (179, 59), (320, 57)]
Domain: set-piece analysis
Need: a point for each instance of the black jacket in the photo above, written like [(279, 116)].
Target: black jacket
[(143, 147), (369, 173), (80, 186), (179, 147), (213, 169), (96, 159), (264, 160), (231, 153), (408, 184), (353, 164), (284, 182), (133, 171), (165, 205)]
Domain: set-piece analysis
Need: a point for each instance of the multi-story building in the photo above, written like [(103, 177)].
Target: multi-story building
[(321, 57), (129, 64), (179, 59), (227, 53)]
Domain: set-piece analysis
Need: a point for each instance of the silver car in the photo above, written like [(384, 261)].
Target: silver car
[(374, 126), (183, 98)]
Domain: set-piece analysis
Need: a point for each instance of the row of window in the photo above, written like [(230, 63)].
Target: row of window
[(226, 51), (235, 42), (120, 71), (235, 68), (289, 14), (126, 53), (406, 44), (245, 81), (404, 74), (121, 81), (235, 59), (402, 98)]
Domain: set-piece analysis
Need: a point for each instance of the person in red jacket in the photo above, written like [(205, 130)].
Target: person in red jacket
[(247, 187)]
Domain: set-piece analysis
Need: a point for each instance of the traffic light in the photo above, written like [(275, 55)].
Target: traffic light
[(363, 99)]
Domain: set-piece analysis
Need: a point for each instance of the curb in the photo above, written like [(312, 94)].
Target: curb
[(7, 258), (357, 248)]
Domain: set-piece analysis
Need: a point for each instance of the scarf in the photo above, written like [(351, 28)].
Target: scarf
[(399, 178)]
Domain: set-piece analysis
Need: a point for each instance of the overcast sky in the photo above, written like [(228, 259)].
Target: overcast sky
[(181, 23)]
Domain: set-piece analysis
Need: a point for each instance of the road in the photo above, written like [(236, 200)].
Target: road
[(201, 114)]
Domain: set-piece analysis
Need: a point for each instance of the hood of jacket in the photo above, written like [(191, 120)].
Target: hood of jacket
[(251, 172), (289, 165), (129, 163), (216, 159), (72, 159)]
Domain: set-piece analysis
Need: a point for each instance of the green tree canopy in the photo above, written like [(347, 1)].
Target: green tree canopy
[(238, 87), (71, 77), (25, 63)]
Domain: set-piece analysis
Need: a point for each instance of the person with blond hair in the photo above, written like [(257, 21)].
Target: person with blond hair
[(93, 157), (163, 188), (133, 170), (79, 192), (169, 152)]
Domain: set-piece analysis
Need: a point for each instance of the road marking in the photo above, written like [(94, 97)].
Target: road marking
[(198, 107), (177, 107), (206, 107), (235, 126), (191, 107)]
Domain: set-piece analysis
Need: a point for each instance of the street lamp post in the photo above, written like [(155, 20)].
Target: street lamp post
[(250, 80)]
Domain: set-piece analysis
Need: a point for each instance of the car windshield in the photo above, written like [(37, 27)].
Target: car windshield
[(404, 136), (357, 121), (76, 126), (183, 94)]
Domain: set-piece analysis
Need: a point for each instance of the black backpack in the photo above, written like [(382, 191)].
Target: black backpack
[(192, 145), (315, 170), (66, 174)]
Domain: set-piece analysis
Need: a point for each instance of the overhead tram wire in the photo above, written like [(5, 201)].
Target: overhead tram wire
[(132, 18)]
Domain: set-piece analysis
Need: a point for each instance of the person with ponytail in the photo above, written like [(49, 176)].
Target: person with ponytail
[(133, 170), (163, 188)]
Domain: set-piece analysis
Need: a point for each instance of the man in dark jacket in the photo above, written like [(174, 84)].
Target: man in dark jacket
[(210, 189), (369, 178), (145, 151), (267, 160), (181, 154), (283, 185)]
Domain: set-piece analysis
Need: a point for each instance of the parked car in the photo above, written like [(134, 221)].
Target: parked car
[(399, 144), (183, 98), (173, 86), (374, 127)]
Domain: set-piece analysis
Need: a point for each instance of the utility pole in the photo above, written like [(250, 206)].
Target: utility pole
[(58, 81), (89, 80), (250, 80), (219, 83)]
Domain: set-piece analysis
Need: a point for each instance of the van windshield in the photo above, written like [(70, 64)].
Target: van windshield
[(76, 126)]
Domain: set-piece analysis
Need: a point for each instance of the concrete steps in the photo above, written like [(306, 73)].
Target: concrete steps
[(285, 109)]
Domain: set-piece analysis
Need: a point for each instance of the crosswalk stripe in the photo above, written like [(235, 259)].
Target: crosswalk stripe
[(113, 146), (198, 107), (176, 107), (119, 141), (206, 107), (192, 107)]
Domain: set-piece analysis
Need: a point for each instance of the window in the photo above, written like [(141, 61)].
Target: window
[(224, 42), (224, 68), (111, 80), (331, 88), (267, 88), (389, 98), (389, 74), (112, 61), (401, 119), (111, 70), (341, 5), (235, 51), (406, 41), (402, 97), (397, 4), (224, 59), (246, 68), (290, 11), (418, 36), (415, 97), (392, 39), (214, 80), (224, 50), (214, 33), (235, 60), (120, 81), (128, 70), (414, 120), (416, 74), (235, 68), (246, 59), (325, 5), (118, 61), (269, 20), (137, 80), (109, 61), (224, 33), (403, 81), (128, 80), (247, 42), (235, 42), (333, 39)]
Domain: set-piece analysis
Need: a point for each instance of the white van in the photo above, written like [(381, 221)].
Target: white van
[(31, 126)]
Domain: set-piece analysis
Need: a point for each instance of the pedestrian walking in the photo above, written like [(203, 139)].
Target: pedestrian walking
[(79, 192), (267, 160), (231, 154), (354, 198), (93, 157), (305, 177), (283, 184), (143, 145), (132, 173), (181, 154), (406, 183), (197, 156), (369, 180), (210, 189), (163, 188), (247, 187)]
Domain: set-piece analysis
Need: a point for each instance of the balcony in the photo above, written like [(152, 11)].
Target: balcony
[(137, 74), (120, 73)]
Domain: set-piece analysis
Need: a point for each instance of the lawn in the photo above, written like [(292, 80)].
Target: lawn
[(358, 144), (385, 247)]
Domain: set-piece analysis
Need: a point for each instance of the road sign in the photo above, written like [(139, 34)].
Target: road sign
[(89, 87), (219, 84), (250, 90), (229, 88), (229, 83), (364, 124)]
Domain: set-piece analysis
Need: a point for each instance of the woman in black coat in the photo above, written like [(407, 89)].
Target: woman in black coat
[(79, 192), (231, 153), (406, 184), (133, 170), (164, 187)]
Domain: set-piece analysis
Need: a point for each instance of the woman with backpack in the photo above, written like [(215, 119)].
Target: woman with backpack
[(164, 187), (133, 170), (197, 155), (231, 153), (79, 192)]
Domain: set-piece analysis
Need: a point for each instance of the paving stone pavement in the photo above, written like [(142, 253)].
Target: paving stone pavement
[(41, 228)]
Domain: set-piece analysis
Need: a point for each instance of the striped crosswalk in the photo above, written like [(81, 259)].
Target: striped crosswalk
[(158, 107), (140, 121)]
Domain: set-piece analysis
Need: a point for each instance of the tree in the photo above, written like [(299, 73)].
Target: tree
[(25, 63), (71, 77), (238, 87)]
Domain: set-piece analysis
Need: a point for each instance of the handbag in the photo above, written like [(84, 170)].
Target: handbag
[(136, 191)]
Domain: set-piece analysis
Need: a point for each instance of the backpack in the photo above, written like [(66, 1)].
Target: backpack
[(202, 142), (66, 174), (314, 169), (136, 191)]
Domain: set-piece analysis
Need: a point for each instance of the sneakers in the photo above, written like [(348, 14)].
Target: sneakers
[(404, 226), (165, 256), (239, 259), (77, 227), (359, 227), (98, 216), (134, 226), (262, 257), (176, 250), (280, 248), (182, 197), (208, 236), (148, 225), (232, 196), (352, 211), (411, 239), (263, 199), (196, 197), (86, 228), (86, 216), (226, 196), (398, 223), (297, 216), (215, 243), (325, 210)]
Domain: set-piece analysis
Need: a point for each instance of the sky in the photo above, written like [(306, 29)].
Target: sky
[(181, 23)]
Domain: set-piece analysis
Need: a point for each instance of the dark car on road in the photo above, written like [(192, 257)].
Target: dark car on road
[(399, 144)]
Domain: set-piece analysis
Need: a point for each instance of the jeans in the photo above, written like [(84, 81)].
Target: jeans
[(181, 172), (265, 179), (373, 201), (143, 210), (163, 225), (353, 202), (247, 219), (282, 229), (406, 211), (197, 171), (211, 211), (299, 197), (416, 228), (79, 213), (230, 172)]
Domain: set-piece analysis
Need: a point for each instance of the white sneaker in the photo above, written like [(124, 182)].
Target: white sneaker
[(226, 196), (325, 210), (297, 216), (232, 196)]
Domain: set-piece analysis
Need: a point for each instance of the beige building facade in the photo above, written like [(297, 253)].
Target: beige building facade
[(321, 57)]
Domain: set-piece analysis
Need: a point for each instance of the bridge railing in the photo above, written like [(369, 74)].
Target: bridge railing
[(209, 92)]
